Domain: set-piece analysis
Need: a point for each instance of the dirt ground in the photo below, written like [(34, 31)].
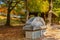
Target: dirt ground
[(11, 33), (14, 33)]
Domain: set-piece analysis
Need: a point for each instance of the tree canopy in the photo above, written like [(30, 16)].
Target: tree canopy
[(56, 7), (38, 5)]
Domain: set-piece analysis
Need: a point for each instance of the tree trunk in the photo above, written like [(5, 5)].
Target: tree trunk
[(27, 16), (8, 18), (49, 18), (45, 17), (50, 12), (27, 13)]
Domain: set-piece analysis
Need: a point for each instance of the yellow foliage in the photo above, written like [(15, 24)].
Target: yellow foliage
[(44, 6)]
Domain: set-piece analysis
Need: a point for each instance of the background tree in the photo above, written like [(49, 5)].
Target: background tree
[(11, 4), (40, 6), (56, 9), (44, 8)]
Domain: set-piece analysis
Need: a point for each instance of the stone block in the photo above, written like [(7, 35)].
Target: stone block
[(33, 34)]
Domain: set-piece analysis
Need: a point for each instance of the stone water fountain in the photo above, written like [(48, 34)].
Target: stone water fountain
[(34, 28)]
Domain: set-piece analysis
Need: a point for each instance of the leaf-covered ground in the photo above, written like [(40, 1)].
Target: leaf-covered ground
[(12, 33), (15, 33)]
